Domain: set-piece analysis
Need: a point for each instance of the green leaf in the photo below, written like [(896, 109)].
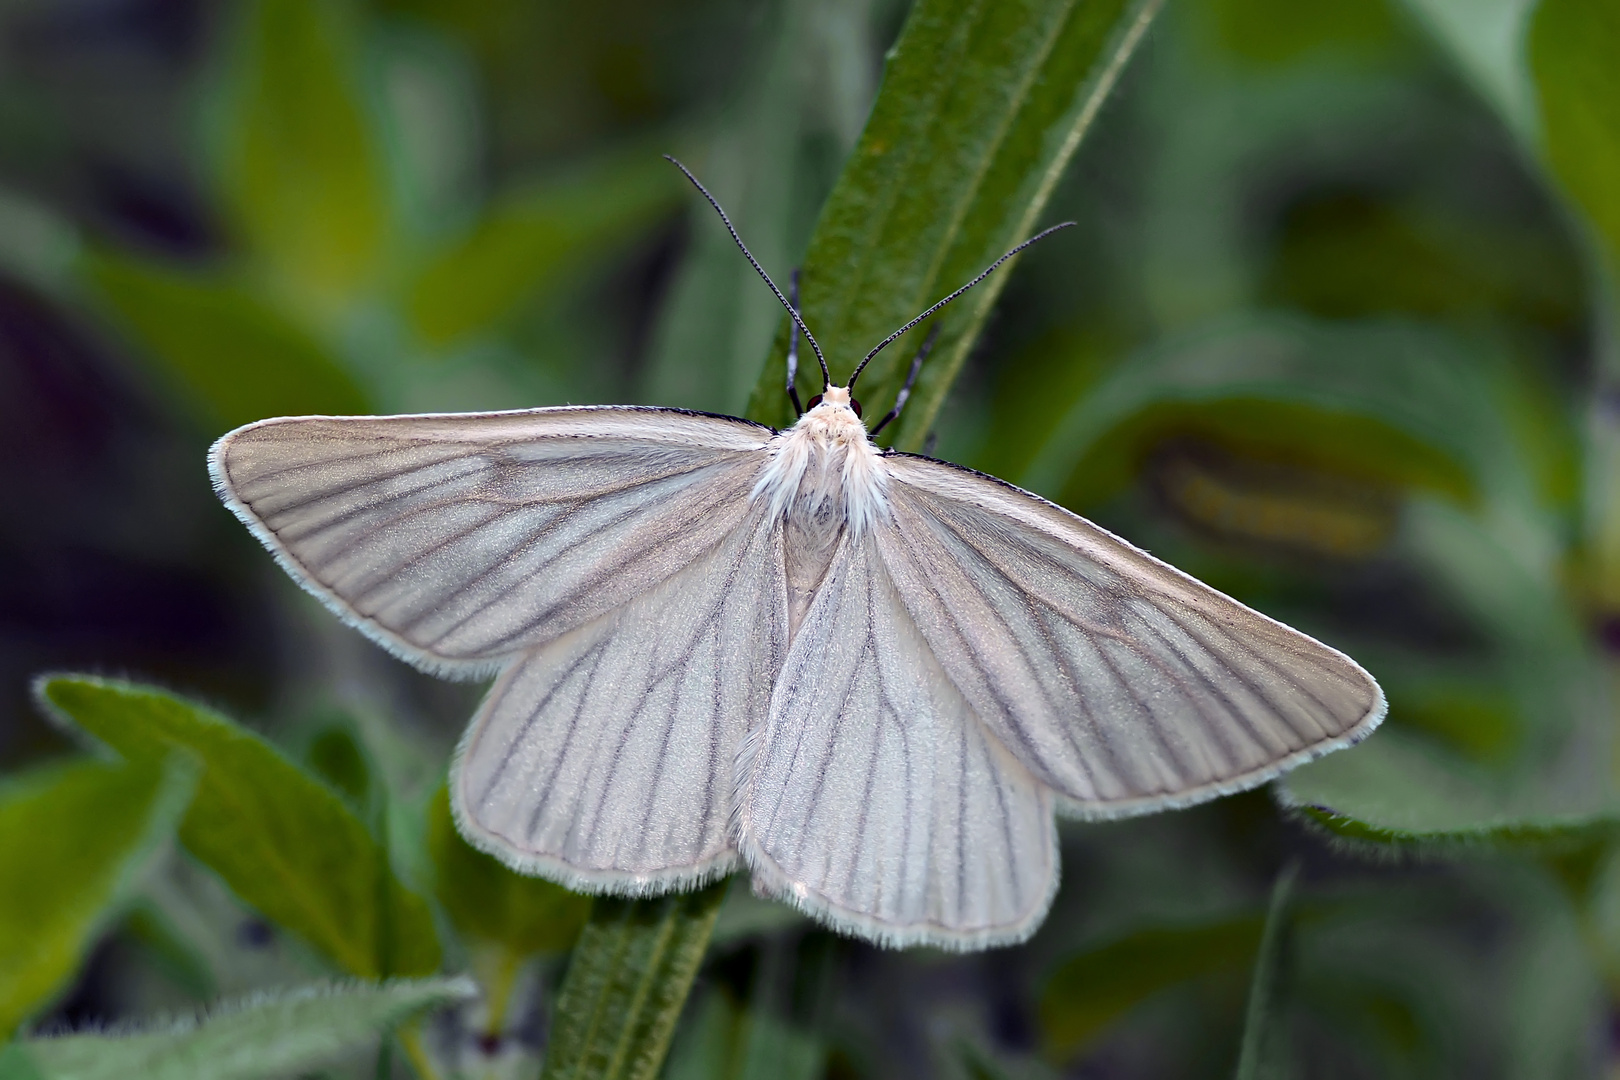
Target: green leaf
[(488, 902), (1275, 32), (1486, 40), (234, 356), (1261, 1049), (15, 1064), (771, 166), (285, 842), (983, 103), (266, 1036), (1404, 789), (73, 840), (1573, 45), (1092, 990), (530, 239), (1394, 402), (300, 166), (627, 983)]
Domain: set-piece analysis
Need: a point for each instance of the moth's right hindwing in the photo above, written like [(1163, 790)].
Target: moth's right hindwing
[(874, 798)]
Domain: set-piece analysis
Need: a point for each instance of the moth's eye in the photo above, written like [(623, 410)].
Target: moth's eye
[(813, 403), (856, 406)]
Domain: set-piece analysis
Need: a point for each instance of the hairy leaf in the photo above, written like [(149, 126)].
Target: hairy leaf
[(73, 839), (284, 841), (627, 983), (267, 1036)]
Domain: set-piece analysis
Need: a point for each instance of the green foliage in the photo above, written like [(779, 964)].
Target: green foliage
[(529, 238), (235, 356), (627, 983), (299, 163), (1572, 47), (1261, 1053), (282, 840), (489, 903), (1275, 32), (1092, 989), (981, 108), (74, 839), (266, 1036), (1393, 404)]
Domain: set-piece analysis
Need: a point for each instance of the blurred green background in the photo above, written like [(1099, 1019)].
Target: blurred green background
[(1336, 333)]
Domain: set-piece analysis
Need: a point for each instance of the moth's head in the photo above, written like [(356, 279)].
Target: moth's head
[(834, 399)]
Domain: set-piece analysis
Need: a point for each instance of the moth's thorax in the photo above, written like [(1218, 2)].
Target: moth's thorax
[(824, 478), (824, 469)]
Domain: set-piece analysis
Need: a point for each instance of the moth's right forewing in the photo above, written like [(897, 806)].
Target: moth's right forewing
[(460, 540), (1121, 682)]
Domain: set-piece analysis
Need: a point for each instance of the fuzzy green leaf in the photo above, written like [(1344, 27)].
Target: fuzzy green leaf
[(981, 108), (284, 841), (272, 1036), (627, 983), (72, 840), (234, 356), (1406, 790), (490, 903)]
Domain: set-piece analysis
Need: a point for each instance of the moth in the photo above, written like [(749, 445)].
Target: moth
[(869, 677)]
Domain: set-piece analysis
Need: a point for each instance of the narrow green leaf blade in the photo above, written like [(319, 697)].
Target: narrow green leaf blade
[(262, 1037), (300, 167), (73, 838), (627, 983), (237, 359), (490, 903), (1092, 990), (981, 108), (1262, 1044), (285, 842)]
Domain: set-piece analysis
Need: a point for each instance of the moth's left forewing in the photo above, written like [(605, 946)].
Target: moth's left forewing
[(457, 541), (1124, 684)]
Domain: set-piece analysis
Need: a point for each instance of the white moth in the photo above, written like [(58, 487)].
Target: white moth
[(870, 677)]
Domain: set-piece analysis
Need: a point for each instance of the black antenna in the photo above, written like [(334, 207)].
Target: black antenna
[(1042, 235), (793, 347), (911, 377), (749, 255)]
